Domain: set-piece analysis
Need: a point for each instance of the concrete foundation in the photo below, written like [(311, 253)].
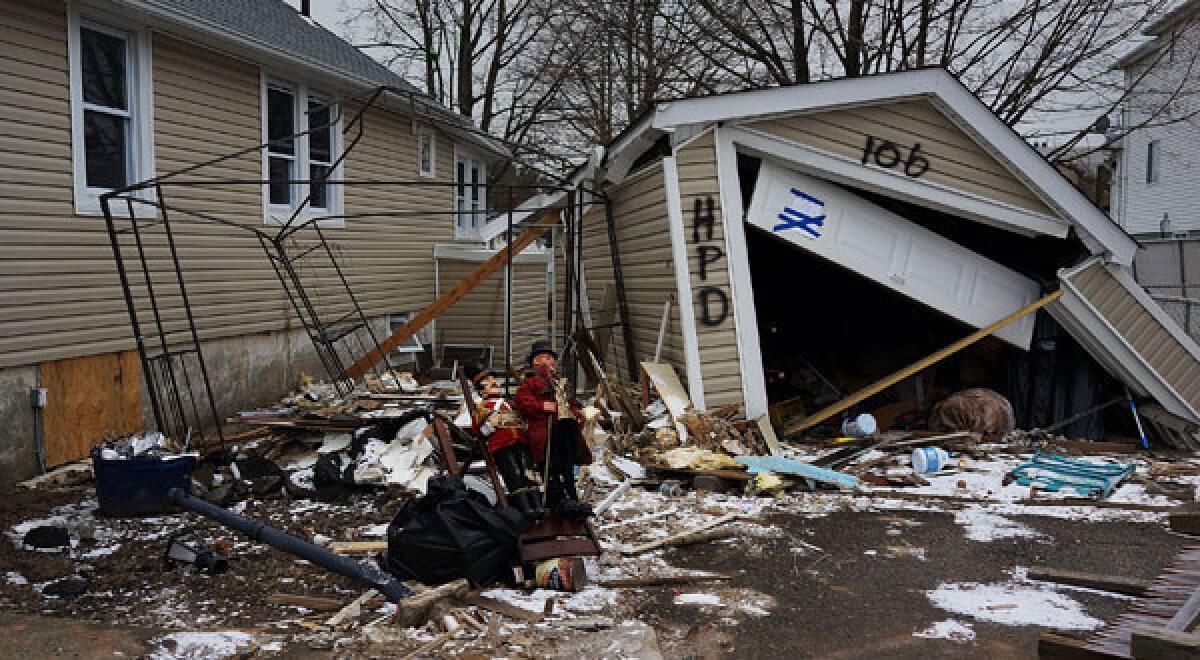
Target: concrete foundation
[(18, 441), (246, 372)]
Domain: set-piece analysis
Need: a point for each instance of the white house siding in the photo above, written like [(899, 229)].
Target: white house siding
[(1171, 203)]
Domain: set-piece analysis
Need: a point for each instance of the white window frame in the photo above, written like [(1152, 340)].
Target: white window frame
[(140, 102), (422, 135), (278, 214), (469, 157)]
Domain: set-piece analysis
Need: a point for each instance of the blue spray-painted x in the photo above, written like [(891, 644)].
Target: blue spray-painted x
[(794, 219)]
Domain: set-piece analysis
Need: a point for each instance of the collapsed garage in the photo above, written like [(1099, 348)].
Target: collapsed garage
[(873, 245)]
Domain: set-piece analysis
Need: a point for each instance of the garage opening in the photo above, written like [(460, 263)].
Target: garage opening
[(837, 331)]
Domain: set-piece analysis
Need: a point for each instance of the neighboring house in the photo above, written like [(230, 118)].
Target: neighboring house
[(97, 94), (1155, 196), (855, 226)]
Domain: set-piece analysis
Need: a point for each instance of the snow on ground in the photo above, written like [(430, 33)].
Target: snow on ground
[(951, 629), (981, 525), (1013, 604), (202, 645), (698, 599)]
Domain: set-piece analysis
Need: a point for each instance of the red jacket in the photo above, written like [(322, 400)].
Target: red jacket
[(529, 399)]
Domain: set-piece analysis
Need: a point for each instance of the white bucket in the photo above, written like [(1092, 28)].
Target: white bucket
[(929, 459), (860, 426)]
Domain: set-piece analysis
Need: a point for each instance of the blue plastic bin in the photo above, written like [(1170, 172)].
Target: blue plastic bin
[(139, 485)]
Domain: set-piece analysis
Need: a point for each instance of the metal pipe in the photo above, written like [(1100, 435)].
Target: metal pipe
[(390, 587)]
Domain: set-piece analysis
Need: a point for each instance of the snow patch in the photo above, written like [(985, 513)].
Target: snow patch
[(201, 645), (981, 525), (951, 629), (698, 599), (1013, 605)]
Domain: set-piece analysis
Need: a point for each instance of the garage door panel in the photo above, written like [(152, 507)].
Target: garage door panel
[(836, 224)]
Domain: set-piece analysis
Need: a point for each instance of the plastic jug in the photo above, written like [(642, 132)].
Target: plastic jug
[(929, 459)]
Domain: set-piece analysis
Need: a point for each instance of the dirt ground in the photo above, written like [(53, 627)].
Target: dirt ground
[(861, 593)]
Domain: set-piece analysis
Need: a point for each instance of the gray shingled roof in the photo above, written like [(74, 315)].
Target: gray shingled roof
[(276, 24)]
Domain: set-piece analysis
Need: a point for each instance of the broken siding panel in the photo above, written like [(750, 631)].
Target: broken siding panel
[(712, 297), (479, 317), (955, 159), (1138, 326)]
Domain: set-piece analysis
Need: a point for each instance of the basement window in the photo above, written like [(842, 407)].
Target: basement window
[(301, 133), (111, 143)]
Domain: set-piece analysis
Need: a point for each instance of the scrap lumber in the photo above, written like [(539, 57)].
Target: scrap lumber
[(1185, 519), (356, 547), (353, 609), (1147, 641), (737, 475), (456, 293), (884, 383), (1054, 646), (315, 603), (1120, 585), (415, 610), (665, 580), (645, 547), (507, 609), (432, 645), (666, 381)]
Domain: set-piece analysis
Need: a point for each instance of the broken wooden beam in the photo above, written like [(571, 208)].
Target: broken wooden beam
[(314, 603), (1148, 641), (415, 610), (456, 293), (1120, 585), (506, 609), (637, 550), (664, 580), (884, 383), (356, 547)]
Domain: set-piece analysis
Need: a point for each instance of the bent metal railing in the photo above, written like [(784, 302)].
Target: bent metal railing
[(146, 228)]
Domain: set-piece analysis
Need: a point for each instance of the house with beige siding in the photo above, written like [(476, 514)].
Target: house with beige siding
[(102, 94), (808, 241)]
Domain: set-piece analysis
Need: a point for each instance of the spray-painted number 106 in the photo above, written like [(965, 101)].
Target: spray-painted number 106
[(889, 155)]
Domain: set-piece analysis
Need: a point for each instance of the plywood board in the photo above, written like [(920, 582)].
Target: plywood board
[(88, 399)]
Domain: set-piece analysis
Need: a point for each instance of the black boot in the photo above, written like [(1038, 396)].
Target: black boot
[(509, 466)]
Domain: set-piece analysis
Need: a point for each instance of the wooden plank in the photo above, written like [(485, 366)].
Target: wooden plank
[(1120, 585), (884, 383), (1186, 617), (501, 607), (354, 547), (729, 517), (665, 580), (1185, 522), (456, 293), (89, 399), (1148, 641), (315, 603), (666, 381), (1055, 646)]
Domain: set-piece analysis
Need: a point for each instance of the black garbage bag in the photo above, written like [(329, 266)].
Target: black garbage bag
[(452, 532)]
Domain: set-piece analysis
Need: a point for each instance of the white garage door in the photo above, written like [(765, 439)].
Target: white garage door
[(838, 225)]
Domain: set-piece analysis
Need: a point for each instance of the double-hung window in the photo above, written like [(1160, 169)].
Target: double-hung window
[(110, 110), (302, 135), (470, 194)]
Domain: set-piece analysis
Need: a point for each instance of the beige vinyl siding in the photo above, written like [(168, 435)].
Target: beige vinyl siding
[(59, 291), (720, 367), (644, 239), (1148, 337), (59, 294), (479, 317), (955, 159)]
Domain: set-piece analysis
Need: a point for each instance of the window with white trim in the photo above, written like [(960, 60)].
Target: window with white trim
[(111, 144), (470, 193), (426, 153), (301, 134)]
